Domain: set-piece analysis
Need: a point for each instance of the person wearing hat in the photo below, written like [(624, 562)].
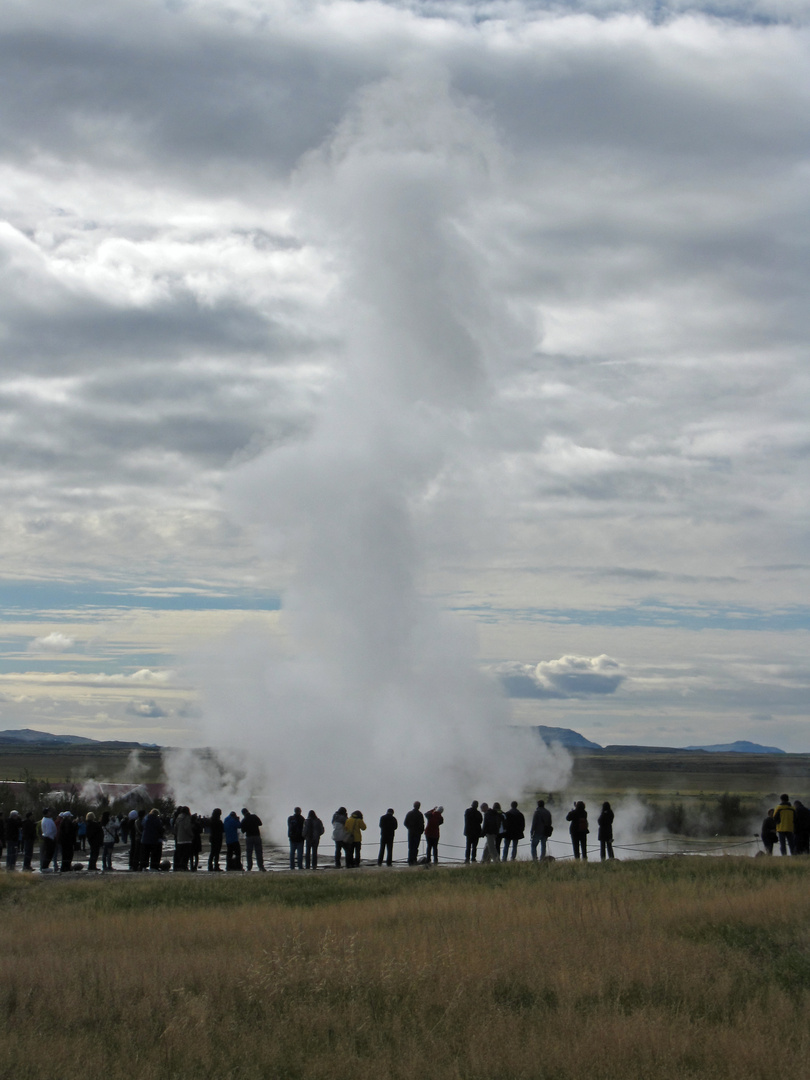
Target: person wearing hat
[(433, 821)]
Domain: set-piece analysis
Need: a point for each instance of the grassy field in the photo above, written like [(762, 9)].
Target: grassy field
[(687, 967)]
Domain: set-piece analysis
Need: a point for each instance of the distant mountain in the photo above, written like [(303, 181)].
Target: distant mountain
[(739, 747), (27, 737), (565, 737)]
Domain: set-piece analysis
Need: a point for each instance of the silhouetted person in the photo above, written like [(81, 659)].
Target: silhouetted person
[(251, 825), (433, 822), (473, 831), (578, 829), (493, 819), (313, 831), (541, 829), (768, 832), (515, 829), (67, 839), (233, 849), (95, 838), (605, 834), (216, 832), (28, 836), (801, 828), (151, 843), (388, 826), (415, 824), (295, 834)]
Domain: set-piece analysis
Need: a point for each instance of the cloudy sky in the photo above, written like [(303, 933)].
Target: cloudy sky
[(456, 346)]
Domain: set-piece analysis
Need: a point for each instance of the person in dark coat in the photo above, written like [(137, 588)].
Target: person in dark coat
[(216, 832), (415, 824), (152, 836), (801, 828), (493, 819), (768, 832), (233, 849), (95, 838), (251, 826), (578, 817), (473, 831), (515, 826), (605, 834), (434, 820), (388, 826), (68, 830), (295, 834), (28, 836), (541, 829), (313, 831)]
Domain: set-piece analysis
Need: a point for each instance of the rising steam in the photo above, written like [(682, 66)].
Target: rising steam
[(374, 697)]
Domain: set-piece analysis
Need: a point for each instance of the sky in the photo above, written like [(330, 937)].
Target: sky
[(376, 376)]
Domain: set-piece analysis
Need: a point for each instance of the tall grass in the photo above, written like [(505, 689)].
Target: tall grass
[(681, 968)]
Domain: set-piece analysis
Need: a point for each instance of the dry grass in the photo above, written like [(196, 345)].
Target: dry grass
[(684, 968)]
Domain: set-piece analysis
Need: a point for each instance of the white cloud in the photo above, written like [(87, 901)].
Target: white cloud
[(577, 233), (54, 642), (568, 677)]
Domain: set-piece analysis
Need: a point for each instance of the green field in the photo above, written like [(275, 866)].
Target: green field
[(680, 968)]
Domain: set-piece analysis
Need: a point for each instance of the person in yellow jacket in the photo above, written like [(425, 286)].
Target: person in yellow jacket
[(354, 827), (783, 816)]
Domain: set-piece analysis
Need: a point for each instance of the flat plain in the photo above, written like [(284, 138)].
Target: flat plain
[(683, 967)]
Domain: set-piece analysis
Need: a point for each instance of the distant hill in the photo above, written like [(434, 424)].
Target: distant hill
[(739, 747), (565, 737), (27, 737)]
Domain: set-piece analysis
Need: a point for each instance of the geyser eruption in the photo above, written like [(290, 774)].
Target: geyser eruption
[(374, 698)]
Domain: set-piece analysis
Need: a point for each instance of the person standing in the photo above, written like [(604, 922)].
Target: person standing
[(313, 831), (250, 826), (388, 826), (216, 832), (541, 829), (355, 827), (48, 850), (95, 838), (801, 828), (433, 821), (605, 833), (109, 829), (493, 819), (339, 835), (515, 826), (415, 824), (578, 828), (295, 834), (233, 849), (13, 825), (473, 825), (183, 838), (67, 839), (28, 836), (783, 817), (768, 832), (151, 840)]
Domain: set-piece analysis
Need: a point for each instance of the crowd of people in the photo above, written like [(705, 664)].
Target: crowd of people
[(497, 833), (787, 824)]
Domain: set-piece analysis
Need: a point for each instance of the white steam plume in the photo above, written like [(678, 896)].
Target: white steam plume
[(376, 699)]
